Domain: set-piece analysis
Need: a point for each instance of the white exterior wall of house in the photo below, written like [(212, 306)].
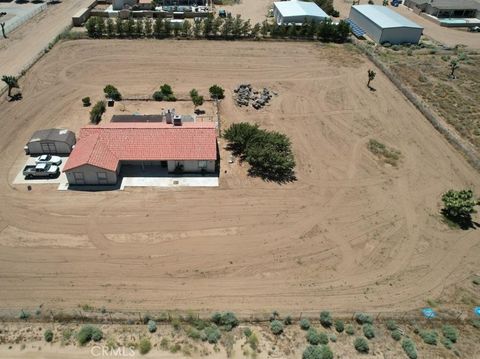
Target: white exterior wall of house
[(91, 175), (192, 166), (373, 30)]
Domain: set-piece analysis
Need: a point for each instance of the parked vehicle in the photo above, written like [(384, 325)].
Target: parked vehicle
[(54, 160), (41, 170)]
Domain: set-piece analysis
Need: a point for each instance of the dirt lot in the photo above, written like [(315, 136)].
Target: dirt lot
[(350, 234)]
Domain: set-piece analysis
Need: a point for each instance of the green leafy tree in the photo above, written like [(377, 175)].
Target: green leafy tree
[(216, 92), (459, 205), (216, 26), (239, 134), (237, 26), (48, 335), (112, 92), (120, 25), (343, 31), (292, 31), (158, 28), (197, 29), (255, 30), (129, 27), (326, 30), (265, 28), (11, 82), (91, 26), (208, 26), (227, 27), (196, 98), (110, 28), (186, 29), (167, 28), (97, 111), (139, 27), (100, 26), (148, 27)]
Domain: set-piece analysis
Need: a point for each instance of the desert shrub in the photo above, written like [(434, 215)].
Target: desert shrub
[(193, 333), (323, 338), (274, 315), (144, 346), (276, 327), (152, 326), (476, 280), (226, 320), (88, 333), (112, 92), (339, 326), (391, 324), (363, 318), (196, 98), (167, 93), (164, 343), (287, 320), (450, 332), (476, 323), (333, 338), (368, 331), (317, 352), (24, 315), (409, 347), (361, 345), (157, 96), (86, 101), (253, 341), (396, 335), (247, 332), (48, 335), (211, 334), (305, 324), (97, 111), (312, 336), (175, 348), (387, 154), (326, 319), (429, 337), (447, 343), (349, 329), (459, 205), (216, 92)]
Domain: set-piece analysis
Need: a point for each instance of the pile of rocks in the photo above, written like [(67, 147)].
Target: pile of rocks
[(246, 95)]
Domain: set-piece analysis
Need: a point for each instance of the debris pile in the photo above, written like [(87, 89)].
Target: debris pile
[(245, 95)]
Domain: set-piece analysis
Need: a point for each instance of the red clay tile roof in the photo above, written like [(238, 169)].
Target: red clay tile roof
[(104, 146)]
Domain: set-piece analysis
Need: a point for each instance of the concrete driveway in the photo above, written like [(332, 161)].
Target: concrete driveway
[(20, 178)]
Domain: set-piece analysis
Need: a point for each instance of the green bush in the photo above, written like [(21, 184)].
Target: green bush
[(458, 206), (97, 111), (450, 332), (447, 343), (333, 338), (396, 335), (247, 332), (211, 334), (152, 326), (326, 319), (363, 318), (276, 327), (226, 320), (238, 135), (166, 89), (476, 323), (48, 335), (368, 331), (361, 345), (88, 333), (391, 325), (349, 329), (158, 96), (193, 333), (305, 324), (409, 347), (86, 101), (144, 346), (339, 326), (24, 314), (312, 336), (112, 92), (317, 352), (253, 341), (287, 320), (216, 92), (429, 337)]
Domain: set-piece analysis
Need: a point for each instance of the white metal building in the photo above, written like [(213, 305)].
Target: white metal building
[(385, 25), (51, 141), (295, 12)]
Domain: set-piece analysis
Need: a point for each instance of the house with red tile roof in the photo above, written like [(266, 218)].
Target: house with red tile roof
[(102, 150)]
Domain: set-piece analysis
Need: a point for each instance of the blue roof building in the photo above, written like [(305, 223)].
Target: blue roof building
[(385, 25), (295, 12)]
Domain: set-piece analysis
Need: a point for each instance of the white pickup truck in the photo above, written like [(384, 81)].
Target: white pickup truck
[(41, 170)]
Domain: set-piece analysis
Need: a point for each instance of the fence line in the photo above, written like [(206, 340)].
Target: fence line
[(23, 19), (436, 121)]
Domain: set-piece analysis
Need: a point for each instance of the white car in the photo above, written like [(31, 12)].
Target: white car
[(54, 160)]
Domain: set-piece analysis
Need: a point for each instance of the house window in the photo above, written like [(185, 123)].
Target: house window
[(102, 177), (202, 164), (79, 178)]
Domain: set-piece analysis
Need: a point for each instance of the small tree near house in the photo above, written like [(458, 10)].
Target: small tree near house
[(216, 92), (196, 98), (112, 92), (459, 205), (97, 111)]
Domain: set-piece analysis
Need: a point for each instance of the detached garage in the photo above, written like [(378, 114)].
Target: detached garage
[(296, 12), (51, 141), (385, 25)]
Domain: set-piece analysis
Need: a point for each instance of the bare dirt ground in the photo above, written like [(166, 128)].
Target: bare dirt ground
[(350, 234), (255, 10), (444, 35), (26, 42)]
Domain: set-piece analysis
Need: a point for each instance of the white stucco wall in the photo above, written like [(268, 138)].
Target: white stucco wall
[(90, 175), (191, 166)]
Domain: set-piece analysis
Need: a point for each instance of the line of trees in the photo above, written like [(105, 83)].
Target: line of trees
[(215, 28)]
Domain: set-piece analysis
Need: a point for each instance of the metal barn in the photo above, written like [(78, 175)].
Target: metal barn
[(51, 141), (385, 25)]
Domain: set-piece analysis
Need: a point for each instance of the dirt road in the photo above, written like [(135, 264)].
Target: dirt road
[(30, 39), (350, 234)]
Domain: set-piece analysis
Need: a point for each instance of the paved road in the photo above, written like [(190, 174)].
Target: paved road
[(25, 43)]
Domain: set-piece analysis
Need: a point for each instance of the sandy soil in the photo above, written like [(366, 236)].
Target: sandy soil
[(350, 234), (26, 42), (255, 10)]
